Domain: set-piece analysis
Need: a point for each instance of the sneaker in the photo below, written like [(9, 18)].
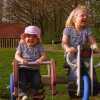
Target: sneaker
[(25, 97), (22, 96), (15, 93)]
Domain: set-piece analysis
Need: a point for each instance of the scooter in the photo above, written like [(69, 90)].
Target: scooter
[(83, 86)]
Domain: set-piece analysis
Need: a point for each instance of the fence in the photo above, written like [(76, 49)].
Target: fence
[(8, 42)]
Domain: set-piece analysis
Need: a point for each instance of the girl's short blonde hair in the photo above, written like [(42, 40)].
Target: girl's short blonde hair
[(70, 19)]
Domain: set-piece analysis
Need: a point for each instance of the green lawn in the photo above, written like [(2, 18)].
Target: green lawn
[(6, 57)]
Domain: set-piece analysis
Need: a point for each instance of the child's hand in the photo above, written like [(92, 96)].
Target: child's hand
[(24, 61), (71, 50), (38, 61), (94, 47)]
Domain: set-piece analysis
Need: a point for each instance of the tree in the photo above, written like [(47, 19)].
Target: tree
[(50, 15)]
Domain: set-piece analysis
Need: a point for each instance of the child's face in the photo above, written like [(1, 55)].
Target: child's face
[(31, 40), (81, 18)]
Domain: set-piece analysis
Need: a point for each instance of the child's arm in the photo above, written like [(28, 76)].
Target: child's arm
[(93, 43), (42, 58), (19, 58), (65, 45)]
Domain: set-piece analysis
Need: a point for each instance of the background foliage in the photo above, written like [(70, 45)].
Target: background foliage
[(50, 15)]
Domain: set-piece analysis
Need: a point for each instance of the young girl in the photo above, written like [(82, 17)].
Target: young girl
[(77, 32), (30, 49)]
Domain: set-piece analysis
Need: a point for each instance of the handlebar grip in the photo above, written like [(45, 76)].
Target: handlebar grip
[(68, 60)]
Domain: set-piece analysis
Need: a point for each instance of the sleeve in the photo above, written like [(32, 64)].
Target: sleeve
[(20, 47), (67, 31), (40, 48)]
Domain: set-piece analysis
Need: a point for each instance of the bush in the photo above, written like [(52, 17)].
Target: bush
[(50, 38), (96, 33)]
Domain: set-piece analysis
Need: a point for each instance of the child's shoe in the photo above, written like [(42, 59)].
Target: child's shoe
[(25, 97), (22, 96), (15, 93)]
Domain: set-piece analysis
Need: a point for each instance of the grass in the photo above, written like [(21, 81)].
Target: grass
[(6, 57)]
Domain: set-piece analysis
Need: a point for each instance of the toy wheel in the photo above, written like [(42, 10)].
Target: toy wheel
[(12, 87), (85, 87)]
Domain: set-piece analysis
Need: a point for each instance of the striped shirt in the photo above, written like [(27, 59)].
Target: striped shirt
[(74, 38)]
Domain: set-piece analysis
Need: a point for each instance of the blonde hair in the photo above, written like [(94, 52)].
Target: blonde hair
[(70, 19)]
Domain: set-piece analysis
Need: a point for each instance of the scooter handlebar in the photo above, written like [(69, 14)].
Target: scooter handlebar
[(34, 63)]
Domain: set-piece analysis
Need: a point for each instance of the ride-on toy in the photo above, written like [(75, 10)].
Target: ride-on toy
[(83, 86), (49, 79)]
